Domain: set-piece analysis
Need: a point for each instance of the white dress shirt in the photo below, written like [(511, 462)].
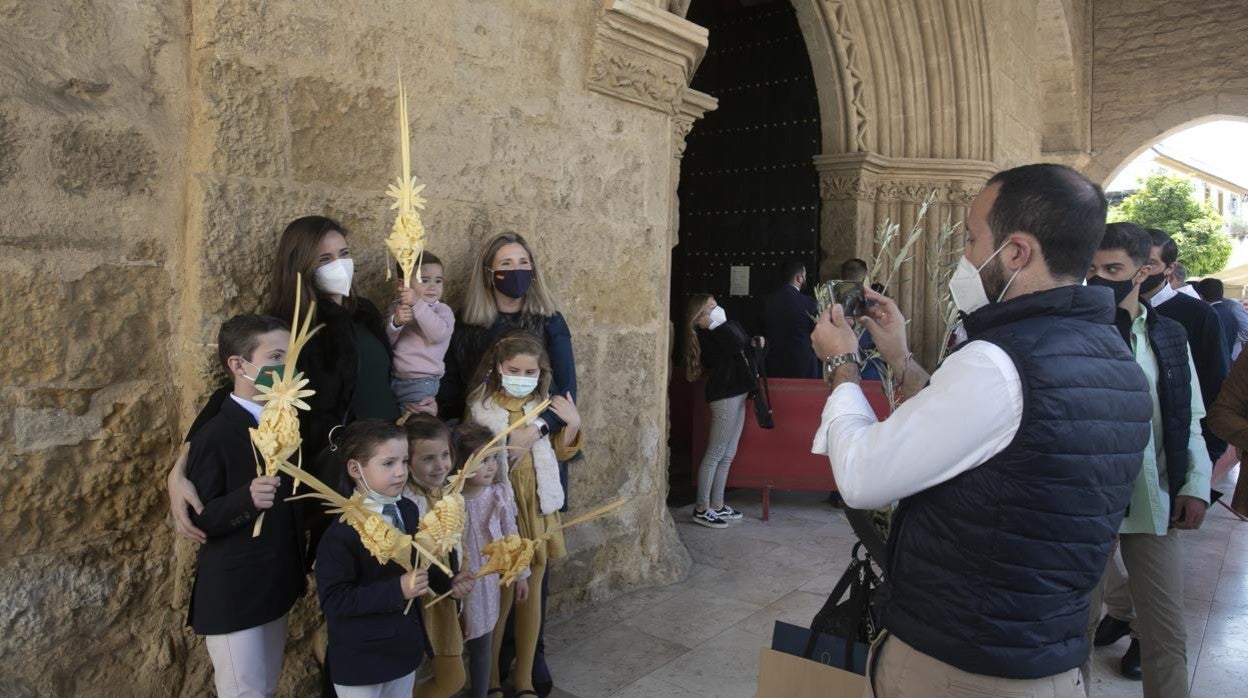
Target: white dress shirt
[(969, 413), (1163, 295)]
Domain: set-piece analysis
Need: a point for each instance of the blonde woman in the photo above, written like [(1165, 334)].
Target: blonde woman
[(720, 346), (507, 291)]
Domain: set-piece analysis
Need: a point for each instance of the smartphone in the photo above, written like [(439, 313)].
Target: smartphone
[(849, 294)]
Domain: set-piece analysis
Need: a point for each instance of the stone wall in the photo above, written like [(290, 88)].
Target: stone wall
[(1159, 66), (1013, 50), (150, 154)]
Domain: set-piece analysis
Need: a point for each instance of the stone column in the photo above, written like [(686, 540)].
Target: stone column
[(862, 191)]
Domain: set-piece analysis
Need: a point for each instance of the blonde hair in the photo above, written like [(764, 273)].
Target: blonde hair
[(693, 348), (513, 344), (479, 306)]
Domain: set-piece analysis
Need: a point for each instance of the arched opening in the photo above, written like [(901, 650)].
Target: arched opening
[(1212, 154), (1061, 87), (749, 191)]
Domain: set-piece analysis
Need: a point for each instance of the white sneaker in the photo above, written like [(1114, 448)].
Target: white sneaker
[(709, 519), (727, 513)]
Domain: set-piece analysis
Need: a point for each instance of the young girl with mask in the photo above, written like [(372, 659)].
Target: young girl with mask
[(491, 516), (374, 646), (719, 345), (420, 328), (429, 453), (513, 378)]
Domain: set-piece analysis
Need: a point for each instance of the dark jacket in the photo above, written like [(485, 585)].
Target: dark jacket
[(240, 581), (725, 355), (1168, 341), (1209, 353), (470, 342), (371, 640), (991, 570), (1229, 320), (788, 321)]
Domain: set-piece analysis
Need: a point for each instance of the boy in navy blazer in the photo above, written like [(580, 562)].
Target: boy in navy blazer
[(244, 585), (374, 647)]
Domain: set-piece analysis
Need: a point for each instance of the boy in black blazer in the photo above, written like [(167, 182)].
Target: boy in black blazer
[(374, 647), (244, 585)]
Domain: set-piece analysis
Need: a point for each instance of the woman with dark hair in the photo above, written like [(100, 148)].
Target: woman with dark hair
[(347, 361)]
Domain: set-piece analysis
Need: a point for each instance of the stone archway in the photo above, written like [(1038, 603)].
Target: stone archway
[(1107, 163)]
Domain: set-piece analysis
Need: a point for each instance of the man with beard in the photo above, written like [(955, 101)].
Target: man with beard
[(1014, 462)]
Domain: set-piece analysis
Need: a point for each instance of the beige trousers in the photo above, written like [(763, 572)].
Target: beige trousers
[(1154, 566), (897, 670)]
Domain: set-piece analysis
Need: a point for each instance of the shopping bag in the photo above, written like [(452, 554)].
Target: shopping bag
[(782, 675), (825, 649)]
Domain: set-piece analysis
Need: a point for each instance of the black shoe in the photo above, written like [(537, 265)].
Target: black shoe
[(834, 498), (1110, 631), (1131, 662)]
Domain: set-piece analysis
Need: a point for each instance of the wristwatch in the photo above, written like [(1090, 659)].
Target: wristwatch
[(542, 429), (832, 363)]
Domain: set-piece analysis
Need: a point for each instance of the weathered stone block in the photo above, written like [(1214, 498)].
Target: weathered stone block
[(343, 136), (87, 159), (246, 113)]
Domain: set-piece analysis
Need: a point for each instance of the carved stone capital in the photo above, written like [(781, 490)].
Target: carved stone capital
[(869, 177), (693, 106), (644, 55)]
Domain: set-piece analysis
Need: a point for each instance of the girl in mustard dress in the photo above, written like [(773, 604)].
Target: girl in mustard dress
[(514, 378)]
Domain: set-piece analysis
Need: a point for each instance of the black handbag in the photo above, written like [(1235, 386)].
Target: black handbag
[(762, 392), (849, 613)]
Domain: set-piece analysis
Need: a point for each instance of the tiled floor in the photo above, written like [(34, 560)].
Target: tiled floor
[(701, 637)]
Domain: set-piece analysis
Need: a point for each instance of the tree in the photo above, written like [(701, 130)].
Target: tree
[(1166, 202)]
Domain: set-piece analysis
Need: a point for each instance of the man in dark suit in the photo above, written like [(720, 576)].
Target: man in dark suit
[(1204, 329), (1231, 314), (788, 322)]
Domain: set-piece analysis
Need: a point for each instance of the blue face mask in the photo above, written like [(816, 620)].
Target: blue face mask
[(513, 283), (519, 386)]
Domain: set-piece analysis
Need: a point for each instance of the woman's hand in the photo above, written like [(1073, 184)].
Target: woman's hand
[(427, 405), (521, 441), (522, 590), (887, 327), (183, 498), (565, 407)]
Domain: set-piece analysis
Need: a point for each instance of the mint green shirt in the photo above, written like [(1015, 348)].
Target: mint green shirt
[(1150, 501)]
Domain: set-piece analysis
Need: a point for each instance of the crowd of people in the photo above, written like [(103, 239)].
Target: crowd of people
[(402, 398), (1048, 467)]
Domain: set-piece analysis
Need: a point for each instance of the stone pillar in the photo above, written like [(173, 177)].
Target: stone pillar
[(861, 191)]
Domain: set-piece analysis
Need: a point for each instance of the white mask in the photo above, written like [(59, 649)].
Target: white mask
[(372, 494), (967, 288), (519, 386), (335, 277), (718, 317)]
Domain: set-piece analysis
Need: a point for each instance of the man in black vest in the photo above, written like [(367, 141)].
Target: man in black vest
[(1172, 490), (1014, 466), (787, 324)]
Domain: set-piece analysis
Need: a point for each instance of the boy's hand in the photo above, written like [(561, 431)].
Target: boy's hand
[(415, 583), (565, 407), (461, 585), (264, 492), (407, 296), (522, 590)]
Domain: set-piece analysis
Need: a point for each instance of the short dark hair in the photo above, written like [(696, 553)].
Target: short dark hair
[(1129, 238), (792, 268), (1162, 239), (425, 258), (470, 437), (426, 427), (361, 438), (240, 335), (853, 270), (1211, 289), (1180, 271), (1064, 210)]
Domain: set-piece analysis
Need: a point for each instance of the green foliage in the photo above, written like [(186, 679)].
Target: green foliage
[(1166, 202)]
